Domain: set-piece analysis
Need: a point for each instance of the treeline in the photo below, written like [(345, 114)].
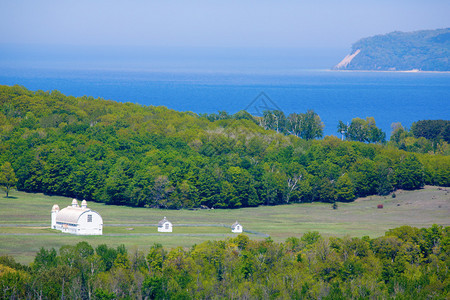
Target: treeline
[(406, 263), (425, 136), (306, 126), (127, 154)]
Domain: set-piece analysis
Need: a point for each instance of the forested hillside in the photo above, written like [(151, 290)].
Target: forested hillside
[(128, 154), (406, 263), (424, 136), (427, 50)]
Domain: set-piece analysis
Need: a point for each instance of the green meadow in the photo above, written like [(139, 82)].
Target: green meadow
[(25, 221)]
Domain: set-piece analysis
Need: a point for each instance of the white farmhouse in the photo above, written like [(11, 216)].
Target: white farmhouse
[(164, 225), (236, 228), (77, 220)]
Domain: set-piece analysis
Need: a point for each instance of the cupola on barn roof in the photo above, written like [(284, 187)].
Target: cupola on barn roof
[(163, 221), (77, 220)]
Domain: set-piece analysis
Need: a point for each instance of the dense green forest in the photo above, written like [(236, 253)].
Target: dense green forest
[(427, 50), (128, 154), (425, 136), (406, 263)]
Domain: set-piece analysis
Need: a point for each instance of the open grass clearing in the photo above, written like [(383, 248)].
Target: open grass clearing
[(193, 230), (421, 208)]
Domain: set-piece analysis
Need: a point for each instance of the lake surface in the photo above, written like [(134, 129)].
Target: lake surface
[(387, 96)]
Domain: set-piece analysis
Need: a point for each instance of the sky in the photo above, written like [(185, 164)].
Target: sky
[(215, 24)]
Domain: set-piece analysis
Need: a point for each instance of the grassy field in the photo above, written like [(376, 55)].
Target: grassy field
[(25, 221)]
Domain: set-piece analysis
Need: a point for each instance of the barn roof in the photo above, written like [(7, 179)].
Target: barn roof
[(161, 223), (235, 224), (72, 214)]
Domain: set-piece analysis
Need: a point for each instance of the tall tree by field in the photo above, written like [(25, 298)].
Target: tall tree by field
[(345, 190), (409, 173), (8, 178)]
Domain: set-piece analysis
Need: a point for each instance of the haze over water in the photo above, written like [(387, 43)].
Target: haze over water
[(213, 84), (204, 56)]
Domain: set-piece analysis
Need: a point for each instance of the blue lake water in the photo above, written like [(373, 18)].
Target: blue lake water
[(387, 96)]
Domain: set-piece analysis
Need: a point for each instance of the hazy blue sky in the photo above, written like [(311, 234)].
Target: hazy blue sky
[(231, 23), (287, 34)]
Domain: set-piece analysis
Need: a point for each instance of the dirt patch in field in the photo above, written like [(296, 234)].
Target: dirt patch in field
[(426, 206), (430, 197)]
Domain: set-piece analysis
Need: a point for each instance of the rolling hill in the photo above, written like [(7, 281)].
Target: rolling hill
[(425, 50)]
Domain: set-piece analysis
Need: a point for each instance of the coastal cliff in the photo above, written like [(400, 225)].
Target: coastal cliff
[(425, 50)]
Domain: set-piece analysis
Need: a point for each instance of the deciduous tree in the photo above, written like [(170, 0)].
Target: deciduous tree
[(364, 131), (8, 178), (345, 191)]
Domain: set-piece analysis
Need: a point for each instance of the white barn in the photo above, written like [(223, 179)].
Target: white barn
[(77, 220), (164, 225), (236, 227)]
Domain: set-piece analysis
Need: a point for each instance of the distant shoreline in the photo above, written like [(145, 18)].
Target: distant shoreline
[(392, 71)]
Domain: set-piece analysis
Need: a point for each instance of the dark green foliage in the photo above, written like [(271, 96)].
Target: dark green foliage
[(107, 255), (426, 136), (323, 190), (409, 173), (434, 130), (345, 191), (101, 294), (154, 287), (10, 262), (45, 259), (406, 263), (426, 50), (311, 237), (127, 154)]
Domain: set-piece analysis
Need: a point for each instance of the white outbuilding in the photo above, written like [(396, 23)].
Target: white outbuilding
[(77, 220), (236, 227), (164, 225)]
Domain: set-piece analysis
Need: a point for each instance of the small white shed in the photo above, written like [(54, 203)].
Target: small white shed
[(164, 225), (236, 227)]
